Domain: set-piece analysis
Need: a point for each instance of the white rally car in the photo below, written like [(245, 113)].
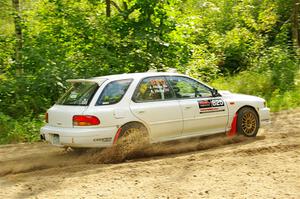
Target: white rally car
[(97, 112)]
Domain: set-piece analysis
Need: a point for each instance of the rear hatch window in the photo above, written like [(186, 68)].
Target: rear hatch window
[(80, 94)]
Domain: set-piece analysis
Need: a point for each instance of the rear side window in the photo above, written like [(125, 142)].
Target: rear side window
[(114, 92), (80, 94), (153, 89)]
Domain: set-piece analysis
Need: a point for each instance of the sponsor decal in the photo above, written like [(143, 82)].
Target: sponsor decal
[(211, 105), (102, 139), (204, 103)]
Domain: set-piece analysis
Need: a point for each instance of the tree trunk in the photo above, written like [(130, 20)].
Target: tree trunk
[(295, 24), (125, 6), (19, 37), (108, 10)]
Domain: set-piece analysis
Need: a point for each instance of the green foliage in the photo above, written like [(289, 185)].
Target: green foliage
[(23, 130), (247, 82), (260, 84), (29, 95), (6, 50), (287, 100), (81, 42), (282, 65)]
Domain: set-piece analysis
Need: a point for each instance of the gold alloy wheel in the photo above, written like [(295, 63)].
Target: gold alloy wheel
[(249, 123)]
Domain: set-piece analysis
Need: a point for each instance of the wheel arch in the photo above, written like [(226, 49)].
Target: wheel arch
[(128, 123), (135, 122)]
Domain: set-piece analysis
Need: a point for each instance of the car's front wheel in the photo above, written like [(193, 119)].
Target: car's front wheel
[(247, 122)]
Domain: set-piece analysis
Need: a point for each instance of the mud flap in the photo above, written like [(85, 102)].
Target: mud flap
[(233, 130), (117, 135)]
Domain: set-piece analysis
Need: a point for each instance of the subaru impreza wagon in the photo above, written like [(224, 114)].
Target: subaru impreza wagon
[(97, 112)]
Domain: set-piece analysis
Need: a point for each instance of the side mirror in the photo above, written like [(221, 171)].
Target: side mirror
[(198, 93), (215, 93)]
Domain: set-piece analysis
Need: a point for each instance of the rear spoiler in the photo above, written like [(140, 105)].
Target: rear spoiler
[(97, 81)]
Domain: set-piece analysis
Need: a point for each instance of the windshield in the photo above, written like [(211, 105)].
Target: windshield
[(80, 94)]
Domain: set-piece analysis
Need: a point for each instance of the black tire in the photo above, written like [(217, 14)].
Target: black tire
[(247, 122)]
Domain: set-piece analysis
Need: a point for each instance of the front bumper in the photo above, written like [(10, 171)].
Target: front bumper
[(79, 136), (264, 116)]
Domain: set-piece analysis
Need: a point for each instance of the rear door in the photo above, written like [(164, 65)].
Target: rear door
[(202, 113), (155, 104)]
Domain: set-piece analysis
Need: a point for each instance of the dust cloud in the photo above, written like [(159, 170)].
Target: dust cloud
[(116, 154)]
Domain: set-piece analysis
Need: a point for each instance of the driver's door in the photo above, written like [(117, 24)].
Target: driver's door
[(203, 113)]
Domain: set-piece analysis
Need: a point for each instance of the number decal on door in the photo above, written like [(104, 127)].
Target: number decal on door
[(211, 105)]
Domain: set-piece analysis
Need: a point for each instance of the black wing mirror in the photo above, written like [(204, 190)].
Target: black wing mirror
[(215, 93)]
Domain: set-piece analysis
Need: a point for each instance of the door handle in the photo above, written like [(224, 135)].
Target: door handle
[(141, 111), (188, 107)]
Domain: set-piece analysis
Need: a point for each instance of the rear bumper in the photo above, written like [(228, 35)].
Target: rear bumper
[(264, 116), (79, 137)]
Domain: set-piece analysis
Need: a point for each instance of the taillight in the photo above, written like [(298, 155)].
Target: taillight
[(85, 120), (46, 117)]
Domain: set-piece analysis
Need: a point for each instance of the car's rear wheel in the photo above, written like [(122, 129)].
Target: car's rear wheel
[(247, 122), (132, 140), (133, 133)]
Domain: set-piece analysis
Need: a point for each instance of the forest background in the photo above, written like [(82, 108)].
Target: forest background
[(245, 46)]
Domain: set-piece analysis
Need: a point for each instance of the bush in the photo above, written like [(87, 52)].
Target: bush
[(24, 130), (287, 100), (247, 82), (261, 84), (282, 65)]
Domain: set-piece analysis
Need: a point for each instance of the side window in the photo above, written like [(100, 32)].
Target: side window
[(113, 92), (185, 87), (153, 89)]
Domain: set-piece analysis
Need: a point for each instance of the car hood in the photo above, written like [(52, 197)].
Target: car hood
[(237, 96)]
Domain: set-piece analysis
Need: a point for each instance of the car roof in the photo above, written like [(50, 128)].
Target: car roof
[(101, 79), (136, 75)]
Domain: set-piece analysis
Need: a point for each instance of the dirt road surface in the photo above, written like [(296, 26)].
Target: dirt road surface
[(267, 166)]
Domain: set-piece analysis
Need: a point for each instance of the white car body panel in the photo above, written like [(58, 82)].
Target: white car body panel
[(201, 124), (61, 116), (164, 120)]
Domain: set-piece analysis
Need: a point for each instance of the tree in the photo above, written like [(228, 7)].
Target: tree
[(295, 25), (108, 8), (19, 36)]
